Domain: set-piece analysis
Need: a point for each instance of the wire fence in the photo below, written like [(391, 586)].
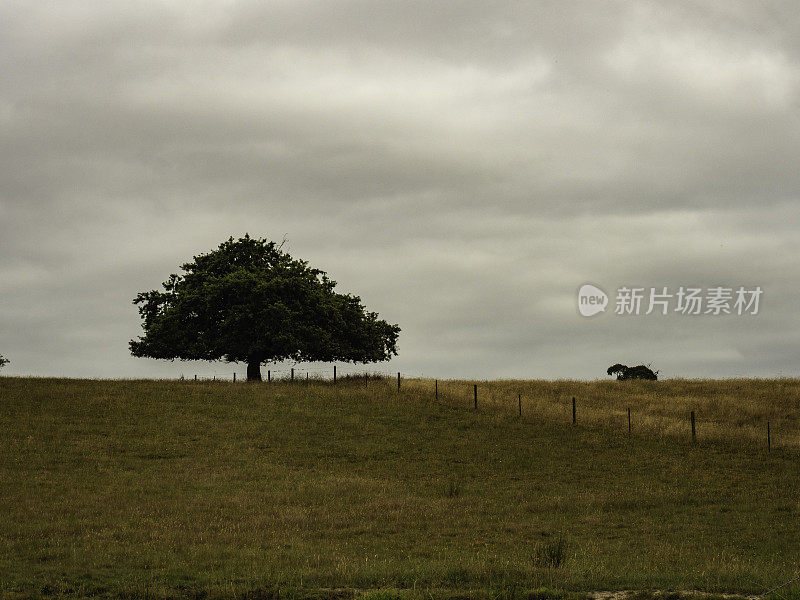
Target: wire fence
[(469, 395), (286, 373), (580, 410)]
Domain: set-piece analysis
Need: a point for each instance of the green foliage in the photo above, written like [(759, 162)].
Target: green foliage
[(250, 301)]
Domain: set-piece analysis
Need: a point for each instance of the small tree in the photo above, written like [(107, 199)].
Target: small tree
[(624, 372), (248, 301), (3, 361)]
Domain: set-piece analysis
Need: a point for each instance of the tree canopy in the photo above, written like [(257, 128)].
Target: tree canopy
[(249, 301)]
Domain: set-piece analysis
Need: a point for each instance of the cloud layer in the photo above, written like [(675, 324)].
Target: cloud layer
[(463, 166)]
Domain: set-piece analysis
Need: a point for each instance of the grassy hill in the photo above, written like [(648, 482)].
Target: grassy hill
[(197, 489)]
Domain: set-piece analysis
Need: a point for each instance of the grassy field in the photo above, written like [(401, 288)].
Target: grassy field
[(167, 489)]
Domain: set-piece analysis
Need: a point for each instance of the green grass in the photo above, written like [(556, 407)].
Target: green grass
[(197, 489)]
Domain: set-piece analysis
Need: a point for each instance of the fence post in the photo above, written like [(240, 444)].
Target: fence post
[(398, 381), (366, 379), (519, 398), (694, 435), (475, 394), (769, 439), (195, 377), (334, 373), (436, 389), (234, 377), (629, 421), (306, 375), (573, 411), (269, 376)]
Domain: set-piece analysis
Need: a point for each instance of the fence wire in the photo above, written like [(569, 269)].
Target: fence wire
[(299, 372)]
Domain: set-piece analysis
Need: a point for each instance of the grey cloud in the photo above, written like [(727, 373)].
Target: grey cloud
[(464, 167)]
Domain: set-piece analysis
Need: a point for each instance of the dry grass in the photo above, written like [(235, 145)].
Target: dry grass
[(734, 410)]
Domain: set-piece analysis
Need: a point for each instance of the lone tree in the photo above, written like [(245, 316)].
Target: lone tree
[(624, 372), (3, 361), (249, 301)]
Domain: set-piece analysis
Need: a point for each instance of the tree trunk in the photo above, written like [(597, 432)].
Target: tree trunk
[(254, 370)]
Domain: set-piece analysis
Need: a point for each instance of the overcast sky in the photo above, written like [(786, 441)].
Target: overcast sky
[(464, 167)]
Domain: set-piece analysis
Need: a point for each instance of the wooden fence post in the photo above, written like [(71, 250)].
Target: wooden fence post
[(291, 377), (436, 389), (694, 435), (519, 399), (334, 373), (475, 394), (398, 381), (234, 377), (269, 376)]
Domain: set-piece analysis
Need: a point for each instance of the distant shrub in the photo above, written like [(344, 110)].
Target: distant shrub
[(624, 372), (3, 361)]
